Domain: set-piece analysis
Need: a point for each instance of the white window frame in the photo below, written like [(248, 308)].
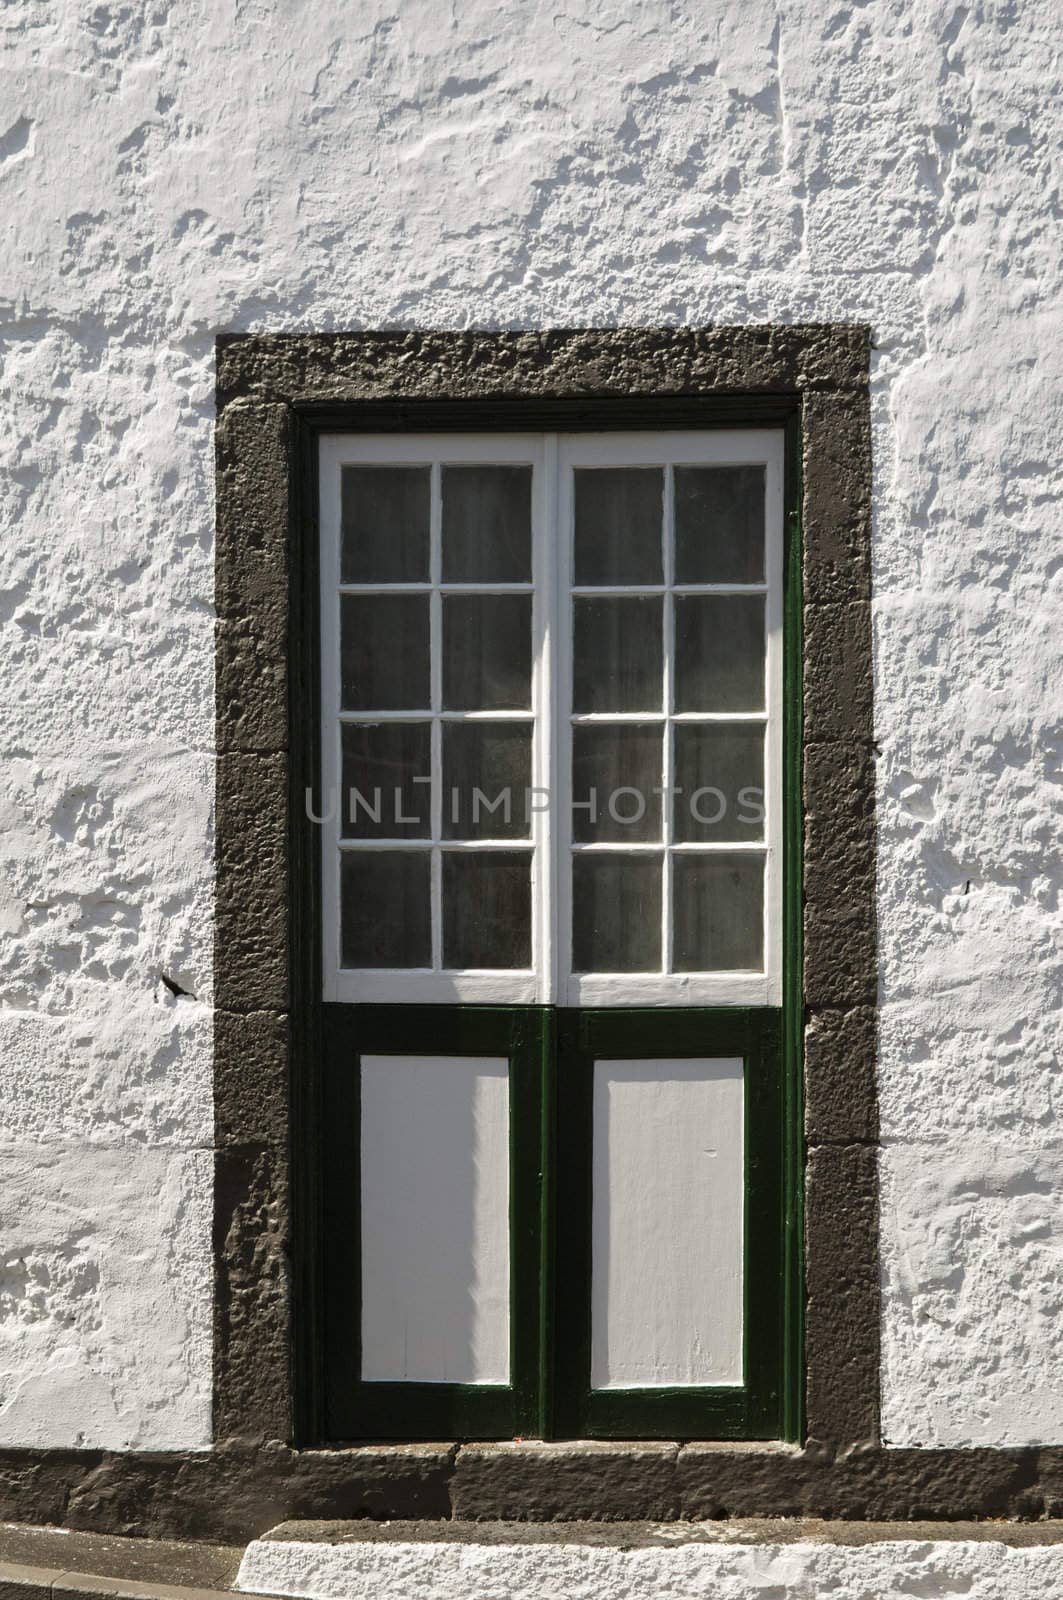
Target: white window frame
[(552, 457)]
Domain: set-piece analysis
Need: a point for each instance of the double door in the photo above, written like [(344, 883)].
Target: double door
[(554, 1175)]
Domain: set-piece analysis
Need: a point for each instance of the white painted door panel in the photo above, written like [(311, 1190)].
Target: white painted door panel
[(667, 1229), (435, 1219)]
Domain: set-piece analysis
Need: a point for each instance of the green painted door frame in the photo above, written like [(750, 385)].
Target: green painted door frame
[(550, 1051)]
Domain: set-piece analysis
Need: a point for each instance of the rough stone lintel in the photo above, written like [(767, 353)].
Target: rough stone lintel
[(561, 362)]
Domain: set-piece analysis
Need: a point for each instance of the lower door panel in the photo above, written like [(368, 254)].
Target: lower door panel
[(541, 1222), (669, 1300), (431, 1251)]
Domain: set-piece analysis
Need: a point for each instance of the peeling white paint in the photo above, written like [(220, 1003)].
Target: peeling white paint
[(170, 172)]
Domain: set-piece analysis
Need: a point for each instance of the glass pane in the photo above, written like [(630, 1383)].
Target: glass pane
[(381, 798), (616, 913), (487, 652), (487, 524), (719, 652), (618, 516), (719, 771), (616, 782), (487, 909), (384, 524), (617, 655), (719, 524), (384, 908), (486, 779), (718, 913), (384, 652)]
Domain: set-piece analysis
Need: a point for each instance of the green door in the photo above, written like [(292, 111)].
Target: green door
[(557, 1115)]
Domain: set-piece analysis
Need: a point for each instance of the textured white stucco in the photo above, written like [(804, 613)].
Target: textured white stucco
[(800, 1571), (168, 172)]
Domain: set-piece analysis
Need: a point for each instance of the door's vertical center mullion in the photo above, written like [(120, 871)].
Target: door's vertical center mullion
[(547, 828), (668, 657), (435, 645), (561, 513)]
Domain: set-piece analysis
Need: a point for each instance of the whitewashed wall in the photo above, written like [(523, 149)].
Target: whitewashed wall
[(167, 172), (724, 1570)]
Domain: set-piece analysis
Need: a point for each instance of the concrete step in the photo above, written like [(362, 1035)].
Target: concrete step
[(643, 1561)]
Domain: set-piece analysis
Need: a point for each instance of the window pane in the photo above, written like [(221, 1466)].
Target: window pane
[(384, 652), (486, 524), (486, 778), (718, 903), (487, 652), (617, 655), (616, 913), (384, 524), (618, 516), (719, 524), (380, 799), (384, 908), (719, 652), (616, 769), (719, 771), (487, 909)]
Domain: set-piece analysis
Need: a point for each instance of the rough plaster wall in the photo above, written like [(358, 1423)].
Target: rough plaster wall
[(169, 171), (450, 1571)]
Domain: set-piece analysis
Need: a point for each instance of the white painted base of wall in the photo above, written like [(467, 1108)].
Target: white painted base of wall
[(385, 1569)]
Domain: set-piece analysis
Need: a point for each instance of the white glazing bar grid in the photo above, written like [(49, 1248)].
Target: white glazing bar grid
[(371, 717), (679, 847), (763, 448), (660, 716), (424, 843), (651, 590), (667, 717), (431, 588), (433, 982), (548, 842)]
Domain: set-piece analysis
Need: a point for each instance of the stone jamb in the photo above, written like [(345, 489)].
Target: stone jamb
[(274, 393)]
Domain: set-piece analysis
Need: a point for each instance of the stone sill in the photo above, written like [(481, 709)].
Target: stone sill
[(236, 1490)]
